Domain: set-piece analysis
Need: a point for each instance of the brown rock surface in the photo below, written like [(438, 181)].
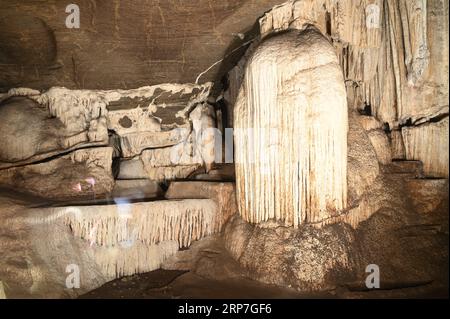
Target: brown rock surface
[(30, 133), (83, 173), (121, 44)]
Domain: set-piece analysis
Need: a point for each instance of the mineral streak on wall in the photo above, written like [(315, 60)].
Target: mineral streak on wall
[(293, 166)]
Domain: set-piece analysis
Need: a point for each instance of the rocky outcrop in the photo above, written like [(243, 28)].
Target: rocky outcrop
[(33, 132), (337, 255), (168, 129), (378, 138), (363, 167), (304, 259), (83, 173)]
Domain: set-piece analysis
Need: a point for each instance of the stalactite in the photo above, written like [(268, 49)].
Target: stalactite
[(384, 50), (291, 132), (429, 143), (150, 223), (119, 261)]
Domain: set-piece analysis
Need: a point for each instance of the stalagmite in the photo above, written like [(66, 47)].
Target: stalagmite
[(291, 132)]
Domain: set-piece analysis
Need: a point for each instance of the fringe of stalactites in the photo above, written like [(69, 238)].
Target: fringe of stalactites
[(306, 180), (150, 223), (119, 261)]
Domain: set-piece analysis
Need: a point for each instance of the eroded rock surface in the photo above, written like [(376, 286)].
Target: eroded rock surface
[(84, 173), (31, 132)]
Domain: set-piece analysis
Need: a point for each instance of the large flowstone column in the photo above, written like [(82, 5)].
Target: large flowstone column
[(291, 128)]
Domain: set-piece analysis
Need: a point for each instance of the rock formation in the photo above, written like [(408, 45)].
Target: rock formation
[(84, 173), (384, 51), (293, 98)]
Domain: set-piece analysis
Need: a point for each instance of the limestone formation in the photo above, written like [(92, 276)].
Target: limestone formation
[(104, 241), (305, 259), (293, 98), (31, 132), (150, 223), (84, 173), (223, 194), (427, 194), (378, 138), (362, 162), (133, 189), (428, 143), (385, 57), (184, 158)]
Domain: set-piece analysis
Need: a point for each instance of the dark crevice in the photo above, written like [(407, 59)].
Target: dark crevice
[(367, 110), (436, 119), (54, 157), (328, 23)]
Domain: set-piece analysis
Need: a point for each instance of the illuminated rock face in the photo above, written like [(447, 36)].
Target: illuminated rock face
[(291, 126)]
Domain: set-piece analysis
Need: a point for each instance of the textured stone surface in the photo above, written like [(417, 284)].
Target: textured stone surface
[(30, 133), (81, 174), (409, 245), (429, 144), (363, 167), (382, 146), (305, 259), (427, 194)]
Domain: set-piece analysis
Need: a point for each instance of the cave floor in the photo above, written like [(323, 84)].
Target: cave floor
[(167, 284)]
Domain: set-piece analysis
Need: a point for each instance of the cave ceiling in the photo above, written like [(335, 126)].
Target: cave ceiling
[(126, 44)]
